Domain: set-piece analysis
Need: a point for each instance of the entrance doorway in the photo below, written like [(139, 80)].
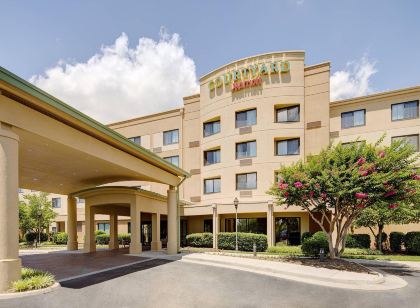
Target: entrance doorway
[(146, 233), (288, 230)]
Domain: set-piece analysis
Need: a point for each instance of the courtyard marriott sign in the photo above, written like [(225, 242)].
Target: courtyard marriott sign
[(250, 76)]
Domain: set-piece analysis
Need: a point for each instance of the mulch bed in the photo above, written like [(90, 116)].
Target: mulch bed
[(336, 264)]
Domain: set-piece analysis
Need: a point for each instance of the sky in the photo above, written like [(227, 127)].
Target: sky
[(120, 59)]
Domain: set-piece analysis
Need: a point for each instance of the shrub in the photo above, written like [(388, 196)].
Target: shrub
[(124, 239), (396, 240), (99, 232), (311, 246), (33, 279), (358, 241), (412, 242), (227, 240), (286, 250), (102, 239), (60, 238), (200, 239), (31, 236), (306, 235)]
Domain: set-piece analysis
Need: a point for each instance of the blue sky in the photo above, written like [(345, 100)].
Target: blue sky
[(36, 35)]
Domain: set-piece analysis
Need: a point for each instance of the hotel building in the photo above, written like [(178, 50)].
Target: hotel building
[(249, 118)]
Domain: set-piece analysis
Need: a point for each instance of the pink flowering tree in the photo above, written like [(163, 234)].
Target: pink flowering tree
[(341, 182)]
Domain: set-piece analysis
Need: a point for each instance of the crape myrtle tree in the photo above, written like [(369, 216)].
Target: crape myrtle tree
[(377, 216), (344, 180)]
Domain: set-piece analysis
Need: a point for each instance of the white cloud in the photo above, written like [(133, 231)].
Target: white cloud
[(120, 82), (353, 81)]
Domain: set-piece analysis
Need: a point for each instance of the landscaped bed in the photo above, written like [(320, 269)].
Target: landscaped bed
[(32, 279)]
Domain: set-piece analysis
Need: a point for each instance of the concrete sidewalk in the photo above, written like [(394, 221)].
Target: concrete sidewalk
[(319, 276)]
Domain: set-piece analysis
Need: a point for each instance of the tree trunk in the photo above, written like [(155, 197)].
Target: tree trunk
[(379, 237)]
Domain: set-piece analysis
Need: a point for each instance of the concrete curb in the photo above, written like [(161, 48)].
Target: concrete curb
[(380, 282), (30, 293)]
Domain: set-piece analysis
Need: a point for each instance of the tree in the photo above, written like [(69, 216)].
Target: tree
[(344, 180), (379, 215), (24, 220), (39, 212)]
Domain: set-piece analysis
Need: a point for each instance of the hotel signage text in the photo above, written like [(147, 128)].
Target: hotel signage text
[(250, 76)]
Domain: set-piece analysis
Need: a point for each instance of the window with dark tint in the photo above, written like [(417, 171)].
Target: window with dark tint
[(246, 118), (246, 149), (246, 181), (405, 111), (211, 157), (135, 140), (411, 139), (288, 147), (288, 230), (208, 225), (56, 202), (211, 128), (250, 225), (170, 137), (174, 160), (288, 114), (212, 186), (353, 118), (103, 227)]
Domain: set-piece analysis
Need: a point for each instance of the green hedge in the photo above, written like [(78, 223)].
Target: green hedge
[(396, 240), (412, 242), (227, 240), (102, 239), (358, 241), (311, 246), (60, 238), (306, 235), (200, 239), (31, 236), (124, 239)]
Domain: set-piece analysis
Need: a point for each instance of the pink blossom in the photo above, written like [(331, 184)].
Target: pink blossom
[(298, 184), (361, 161), (416, 177), (361, 206), (393, 206), (286, 194), (304, 198), (390, 193), (324, 196), (283, 186), (381, 154), (311, 193), (361, 195)]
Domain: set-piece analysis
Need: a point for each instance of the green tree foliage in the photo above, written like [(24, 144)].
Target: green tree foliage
[(343, 181), (37, 212)]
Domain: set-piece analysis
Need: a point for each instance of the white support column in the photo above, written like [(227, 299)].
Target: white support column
[(10, 265), (156, 242), (172, 222), (135, 245), (215, 226), (90, 244), (270, 224), (72, 223), (113, 231)]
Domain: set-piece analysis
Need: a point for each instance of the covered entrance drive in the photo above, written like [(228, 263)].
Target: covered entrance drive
[(49, 146)]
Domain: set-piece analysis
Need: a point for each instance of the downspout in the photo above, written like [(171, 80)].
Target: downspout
[(177, 213)]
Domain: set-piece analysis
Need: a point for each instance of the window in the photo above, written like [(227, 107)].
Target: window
[(129, 227), (288, 147), (80, 201), (246, 181), (211, 128), (136, 140), (208, 225), (56, 203), (104, 227), (288, 230), (405, 111), (211, 157), (212, 186), (174, 160), (250, 225), (246, 149), (246, 118), (288, 114), (353, 118), (54, 229), (79, 227), (411, 139), (170, 137)]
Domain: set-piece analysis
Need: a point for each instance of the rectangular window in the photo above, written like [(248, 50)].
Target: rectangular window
[(246, 149), (353, 118), (211, 157), (246, 181), (249, 225), (56, 203), (411, 139), (104, 227), (405, 111), (212, 186), (288, 114), (211, 128), (288, 147), (174, 160), (80, 201), (246, 118), (208, 225), (136, 140), (170, 137)]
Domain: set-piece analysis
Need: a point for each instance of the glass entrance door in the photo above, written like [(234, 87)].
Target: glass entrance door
[(146, 233), (288, 230)]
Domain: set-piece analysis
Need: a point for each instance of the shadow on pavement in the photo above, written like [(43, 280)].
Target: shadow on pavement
[(396, 270), (81, 282)]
